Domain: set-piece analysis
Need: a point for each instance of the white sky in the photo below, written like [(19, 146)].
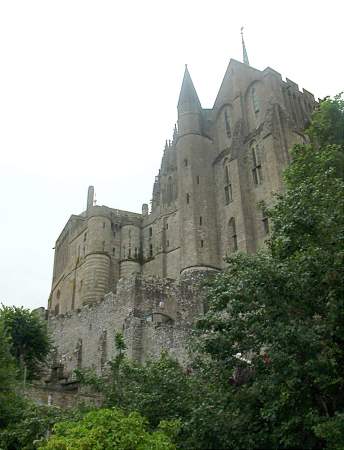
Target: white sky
[(88, 94)]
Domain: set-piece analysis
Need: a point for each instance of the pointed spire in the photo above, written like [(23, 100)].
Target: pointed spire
[(188, 98), (175, 131), (244, 52)]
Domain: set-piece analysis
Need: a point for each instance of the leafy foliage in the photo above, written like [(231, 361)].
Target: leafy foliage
[(8, 398), (30, 343), (32, 423), (105, 429), (275, 326)]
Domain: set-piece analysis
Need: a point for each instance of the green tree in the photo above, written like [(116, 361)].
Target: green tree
[(30, 343), (30, 424), (107, 429), (8, 372), (158, 389), (274, 332)]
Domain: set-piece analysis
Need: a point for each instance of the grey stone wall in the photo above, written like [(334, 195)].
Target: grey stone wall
[(153, 314)]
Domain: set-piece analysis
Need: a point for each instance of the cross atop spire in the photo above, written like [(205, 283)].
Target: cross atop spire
[(244, 52)]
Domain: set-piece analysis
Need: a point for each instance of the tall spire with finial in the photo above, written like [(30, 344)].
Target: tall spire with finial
[(244, 52)]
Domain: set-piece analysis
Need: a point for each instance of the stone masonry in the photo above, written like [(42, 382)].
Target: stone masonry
[(138, 273)]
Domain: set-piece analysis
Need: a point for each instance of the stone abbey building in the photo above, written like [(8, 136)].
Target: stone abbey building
[(138, 273)]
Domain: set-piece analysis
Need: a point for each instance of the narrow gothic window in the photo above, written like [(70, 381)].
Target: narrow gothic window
[(58, 294), (255, 102), (85, 237), (186, 162), (129, 253), (233, 240), (201, 220), (135, 253), (57, 309), (150, 250), (187, 198), (228, 186), (227, 125), (265, 220), (150, 232), (256, 165), (197, 179), (113, 251), (166, 226), (103, 246), (202, 243)]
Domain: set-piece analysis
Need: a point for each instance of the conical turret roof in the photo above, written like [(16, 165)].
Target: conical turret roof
[(188, 98)]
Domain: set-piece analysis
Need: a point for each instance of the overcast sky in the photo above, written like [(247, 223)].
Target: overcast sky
[(88, 94)]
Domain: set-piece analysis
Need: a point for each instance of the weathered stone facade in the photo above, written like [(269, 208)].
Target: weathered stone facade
[(117, 270)]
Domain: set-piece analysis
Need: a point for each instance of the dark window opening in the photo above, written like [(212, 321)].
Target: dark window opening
[(233, 235), (227, 125), (129, 253), (228, 187), (150, 232), (197, 179), (166, 226), (256, 166), (202, 243), (186, 162), (103, 224), (57, 309), (201, 220), (85, 237), (113, 251), (187, 198), (150, 250), (167, 243), (135, 253), (265, 220)]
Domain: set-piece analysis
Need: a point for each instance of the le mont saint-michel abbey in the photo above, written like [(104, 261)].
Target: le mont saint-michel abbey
[(139, 274)]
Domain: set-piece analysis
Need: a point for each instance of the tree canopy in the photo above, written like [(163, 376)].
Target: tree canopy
[(30, 343), (105, 429)]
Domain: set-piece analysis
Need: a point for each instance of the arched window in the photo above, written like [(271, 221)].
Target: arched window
[(233, 241), (228, 185), (256, 164), (255, 102), (227, 124)]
